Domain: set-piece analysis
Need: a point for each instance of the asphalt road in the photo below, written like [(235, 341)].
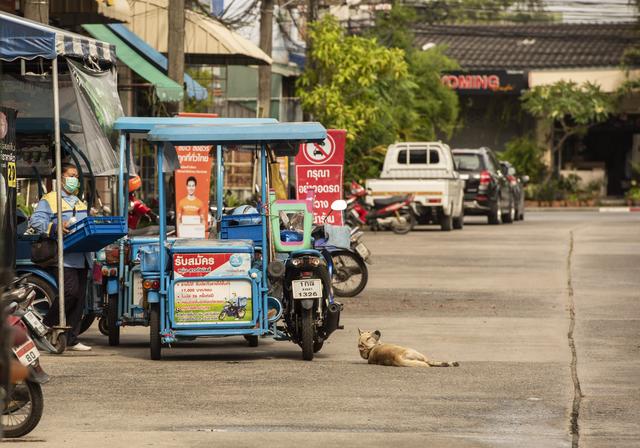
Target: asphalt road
[(533, 311)]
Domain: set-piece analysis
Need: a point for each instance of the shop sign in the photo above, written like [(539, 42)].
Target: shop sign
[(210, 265), (7, 187), (486, 82), (192, 191), (320, 166)]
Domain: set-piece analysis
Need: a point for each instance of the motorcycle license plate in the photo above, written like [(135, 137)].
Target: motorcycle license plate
[(34, 323), (307, 289), (27, 353), (363, 251)]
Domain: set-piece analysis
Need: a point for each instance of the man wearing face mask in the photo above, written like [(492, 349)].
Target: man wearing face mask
[(45, 220)]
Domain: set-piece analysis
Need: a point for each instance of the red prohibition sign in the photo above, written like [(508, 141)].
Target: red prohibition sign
[(318, 153)]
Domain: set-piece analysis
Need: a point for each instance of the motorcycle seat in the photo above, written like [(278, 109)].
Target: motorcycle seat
[(384, 202)]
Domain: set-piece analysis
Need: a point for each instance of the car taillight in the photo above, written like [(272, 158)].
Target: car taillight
[(485, 177)]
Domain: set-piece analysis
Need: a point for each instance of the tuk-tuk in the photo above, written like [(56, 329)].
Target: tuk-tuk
[(124, 287), (220, 287)]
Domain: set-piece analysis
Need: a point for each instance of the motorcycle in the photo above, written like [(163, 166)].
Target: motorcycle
[(350, 273), (24, 403), (310, 312), (231, 309), (396, 213)]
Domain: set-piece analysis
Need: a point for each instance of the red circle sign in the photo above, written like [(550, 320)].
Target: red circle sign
[(319, 153)]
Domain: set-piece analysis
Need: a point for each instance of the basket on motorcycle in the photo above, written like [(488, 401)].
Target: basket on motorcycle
[(94, 232), (242, 227)]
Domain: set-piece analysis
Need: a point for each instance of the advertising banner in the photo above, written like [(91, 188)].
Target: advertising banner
[(7, 187), (192, 191), (320, 166), (198, 301)]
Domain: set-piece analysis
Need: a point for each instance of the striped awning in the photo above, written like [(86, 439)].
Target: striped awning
[(25, 39)]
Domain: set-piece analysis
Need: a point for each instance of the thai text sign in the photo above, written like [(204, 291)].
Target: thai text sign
[(320, 166), (192, 191)]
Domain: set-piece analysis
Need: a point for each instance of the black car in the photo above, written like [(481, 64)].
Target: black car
[(486, 190), (517, 188)]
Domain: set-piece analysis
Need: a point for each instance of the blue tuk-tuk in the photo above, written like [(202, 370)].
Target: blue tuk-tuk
[(194, 281), (125, 289)]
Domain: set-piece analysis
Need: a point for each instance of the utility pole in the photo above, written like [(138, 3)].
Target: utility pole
[(264, 71), (175, 47), (37, 10)]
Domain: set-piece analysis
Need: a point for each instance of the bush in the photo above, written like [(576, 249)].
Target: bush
[(526, 156)]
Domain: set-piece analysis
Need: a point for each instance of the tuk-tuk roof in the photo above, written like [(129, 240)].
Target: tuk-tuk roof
[(146, 124), (244, 133)]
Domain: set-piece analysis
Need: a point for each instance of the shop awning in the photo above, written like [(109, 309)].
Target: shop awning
[(207, 41), (194, 90), (25, 39), (166, 89)]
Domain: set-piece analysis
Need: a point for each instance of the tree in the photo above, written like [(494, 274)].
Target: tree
[(358, 85), (569, 109)]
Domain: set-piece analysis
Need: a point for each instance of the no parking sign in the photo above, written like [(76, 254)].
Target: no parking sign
[(320, 166)]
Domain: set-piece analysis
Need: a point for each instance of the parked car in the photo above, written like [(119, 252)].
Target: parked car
[(426, 170), (517, 188), (487, 191)]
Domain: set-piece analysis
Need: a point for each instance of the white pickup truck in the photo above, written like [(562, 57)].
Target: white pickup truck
[(426, 170)]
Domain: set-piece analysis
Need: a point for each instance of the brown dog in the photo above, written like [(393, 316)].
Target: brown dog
[(376, 352)]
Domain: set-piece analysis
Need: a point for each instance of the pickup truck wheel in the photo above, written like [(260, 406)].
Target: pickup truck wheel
[(458, 222), (446, 223)]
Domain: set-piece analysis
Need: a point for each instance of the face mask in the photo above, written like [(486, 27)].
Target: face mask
[(71, 184)]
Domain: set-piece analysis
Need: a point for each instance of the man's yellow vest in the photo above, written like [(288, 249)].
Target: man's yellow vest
[(51, 199)]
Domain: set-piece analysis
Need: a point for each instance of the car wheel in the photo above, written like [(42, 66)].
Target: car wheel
[(509, 217), (495, 217)]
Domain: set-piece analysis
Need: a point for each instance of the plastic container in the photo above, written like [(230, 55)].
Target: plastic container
[(150, 259), (242, 227), (94, 232)]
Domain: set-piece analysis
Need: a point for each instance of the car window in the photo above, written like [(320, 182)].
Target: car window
[(493, 162), (434, 156), (402, 156), (418, 157), (469, 162)]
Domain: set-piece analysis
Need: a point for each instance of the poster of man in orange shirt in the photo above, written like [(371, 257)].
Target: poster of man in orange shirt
[(192, 191)]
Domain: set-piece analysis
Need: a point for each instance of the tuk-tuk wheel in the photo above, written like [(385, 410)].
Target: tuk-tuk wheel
[(252, 340), (112, 320), (155, 343), (102, 326)]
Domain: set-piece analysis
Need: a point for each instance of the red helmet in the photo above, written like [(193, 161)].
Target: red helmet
[(134, 183)]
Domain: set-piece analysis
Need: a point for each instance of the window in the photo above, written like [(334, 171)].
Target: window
[(434, 156), (418, 157), (469, 162), (402, 156)]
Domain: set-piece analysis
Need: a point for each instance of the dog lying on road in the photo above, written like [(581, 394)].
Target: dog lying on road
[(376, 352)]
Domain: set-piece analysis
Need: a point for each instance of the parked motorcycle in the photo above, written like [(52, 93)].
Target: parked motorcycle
[(24, 403), (396, 213), (309, 310), (350, 273)]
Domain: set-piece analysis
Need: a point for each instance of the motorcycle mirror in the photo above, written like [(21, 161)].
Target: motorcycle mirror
[(339, 205)]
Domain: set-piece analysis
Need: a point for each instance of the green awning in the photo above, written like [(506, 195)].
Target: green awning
[(166, 89)]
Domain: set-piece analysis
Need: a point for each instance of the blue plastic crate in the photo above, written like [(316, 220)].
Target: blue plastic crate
[(242, 227), (94, 232)]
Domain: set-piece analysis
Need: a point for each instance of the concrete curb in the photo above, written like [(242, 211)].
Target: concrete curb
[(583, 209)]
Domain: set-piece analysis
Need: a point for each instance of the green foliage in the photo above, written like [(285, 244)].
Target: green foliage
[(585, 104), (526, 156), (21, 203), (378, 94)]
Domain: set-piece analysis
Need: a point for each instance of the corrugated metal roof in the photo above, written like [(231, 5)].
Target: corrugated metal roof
[(207, 41), (522, 47)]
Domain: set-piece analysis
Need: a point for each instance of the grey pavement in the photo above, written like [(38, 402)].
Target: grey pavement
[(498, 299)]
